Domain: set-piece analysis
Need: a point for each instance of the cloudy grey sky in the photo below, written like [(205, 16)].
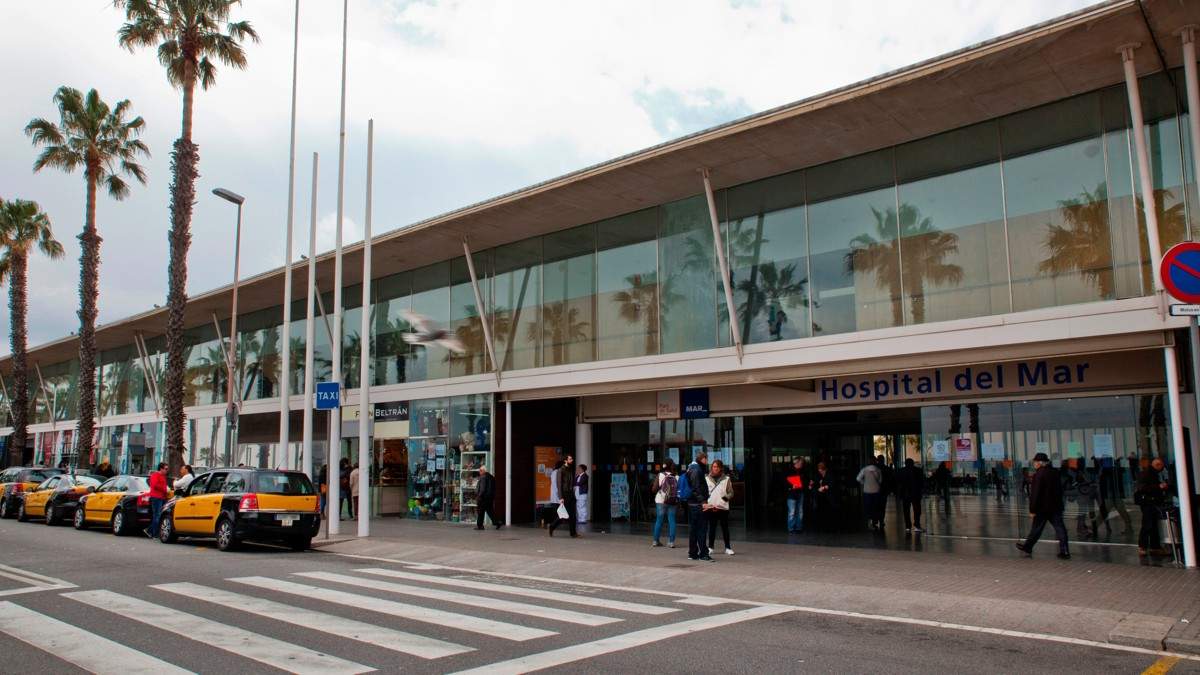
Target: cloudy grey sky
[(471, 98)]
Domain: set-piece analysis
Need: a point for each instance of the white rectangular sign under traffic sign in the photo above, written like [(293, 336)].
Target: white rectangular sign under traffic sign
[(1185, 310)]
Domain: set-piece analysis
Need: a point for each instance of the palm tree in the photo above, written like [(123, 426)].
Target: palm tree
[(924, 250), (639, 306), (189, 37), (23, 227), (562, 327), (105, 144), (773, 289), (1082, 245)]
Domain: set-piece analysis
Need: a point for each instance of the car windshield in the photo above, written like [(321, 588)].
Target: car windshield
[(284, 483), (89, 481), (137, 484)]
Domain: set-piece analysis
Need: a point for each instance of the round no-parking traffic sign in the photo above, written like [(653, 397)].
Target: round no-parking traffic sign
[(1180, 271)]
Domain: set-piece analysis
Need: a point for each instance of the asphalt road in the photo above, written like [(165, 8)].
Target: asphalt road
[(131, 604)]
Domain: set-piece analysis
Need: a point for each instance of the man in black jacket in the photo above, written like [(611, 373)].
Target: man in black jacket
[(1045, 506), (910, 487), (566, 494), (698, 509), (1151, 494), (485, 498)]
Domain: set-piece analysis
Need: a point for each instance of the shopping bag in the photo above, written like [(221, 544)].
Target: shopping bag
[(562, 512)]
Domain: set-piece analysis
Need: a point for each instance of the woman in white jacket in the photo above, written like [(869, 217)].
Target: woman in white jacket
[(720, 493)]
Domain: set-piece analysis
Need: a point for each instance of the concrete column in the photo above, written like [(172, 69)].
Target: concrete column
[(583, 455)]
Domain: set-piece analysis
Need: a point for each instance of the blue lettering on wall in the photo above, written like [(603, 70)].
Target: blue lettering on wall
[(968, 380)]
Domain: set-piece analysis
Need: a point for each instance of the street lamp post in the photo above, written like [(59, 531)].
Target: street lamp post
[(231, 407)]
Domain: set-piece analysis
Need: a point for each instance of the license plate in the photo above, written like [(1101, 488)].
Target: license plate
[(286, 519)]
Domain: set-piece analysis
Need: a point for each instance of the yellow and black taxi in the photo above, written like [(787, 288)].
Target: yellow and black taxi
[(240, 504), (56, 498), (121, 503), (17, 480)]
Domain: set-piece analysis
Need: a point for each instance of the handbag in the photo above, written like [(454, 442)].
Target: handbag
[(562, 512)]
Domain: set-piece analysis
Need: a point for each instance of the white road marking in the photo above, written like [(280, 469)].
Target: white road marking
[(702, 601), (552, 613), (34, 582), (77, 646), (437, 617), (408, 643), (556, 596), (261, 648), (617, 643)]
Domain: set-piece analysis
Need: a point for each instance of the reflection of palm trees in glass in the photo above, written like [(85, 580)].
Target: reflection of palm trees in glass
[(639, 306), (212, 372), (775, 290), (1082, 245), (116, 387), (924, 250), (563, 328)]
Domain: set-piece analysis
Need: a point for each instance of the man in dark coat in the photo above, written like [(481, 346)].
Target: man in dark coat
[(1151, 494), (1045, 506), (698, 507), (910, 487), (485, 498), (566, 494)]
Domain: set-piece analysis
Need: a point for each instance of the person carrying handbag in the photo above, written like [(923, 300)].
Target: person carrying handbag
[(720, 493)]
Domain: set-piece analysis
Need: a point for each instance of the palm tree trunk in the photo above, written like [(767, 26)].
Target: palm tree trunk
[(89, 280), (18, 308)]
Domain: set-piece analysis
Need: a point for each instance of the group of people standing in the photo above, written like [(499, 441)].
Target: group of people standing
[(706, 491), (348, 477)]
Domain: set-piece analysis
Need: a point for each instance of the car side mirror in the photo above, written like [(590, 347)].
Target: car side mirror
[(91, 489)]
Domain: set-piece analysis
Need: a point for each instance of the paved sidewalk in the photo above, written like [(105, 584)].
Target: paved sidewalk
[(1148, 607)]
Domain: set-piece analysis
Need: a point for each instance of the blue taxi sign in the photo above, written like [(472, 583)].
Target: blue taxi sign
[(329, 395)]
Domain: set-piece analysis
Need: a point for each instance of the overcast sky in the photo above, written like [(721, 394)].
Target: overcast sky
[(470, 98)]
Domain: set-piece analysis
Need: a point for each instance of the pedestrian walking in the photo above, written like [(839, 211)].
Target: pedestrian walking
[(941, 481), (797, 480), (158, 497), (694, 490), (354, 478), (186, 476), (871, 480), (666, 503), (720, 493), (323, 486), (566, 495), (485, 499), (825, 499), (1045, 506), (344, 488), (911, 486), (581, 494), (1150, 495)]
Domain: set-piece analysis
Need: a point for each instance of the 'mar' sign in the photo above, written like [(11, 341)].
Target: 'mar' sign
[(329, 395)]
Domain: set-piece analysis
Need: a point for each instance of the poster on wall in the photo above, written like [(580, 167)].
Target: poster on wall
[(619, 496), (1074, 449), (964, 450), (544, 458), (1042, 446), (1102, 446), (993, 451), (940, 451)]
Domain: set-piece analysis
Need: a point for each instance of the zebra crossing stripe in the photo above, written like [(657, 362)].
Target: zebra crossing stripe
[(552, 613), (556, 596), (437, 617), (617, 643), (77, 646), (394, 640), (261, 648)]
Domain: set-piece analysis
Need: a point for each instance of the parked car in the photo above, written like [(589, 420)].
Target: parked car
[(15, 481), (122, 503), (233, 505), (56, 497)]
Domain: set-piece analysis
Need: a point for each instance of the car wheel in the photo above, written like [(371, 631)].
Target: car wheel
[(51, 515), (226, 541), (80, 520), (118, 523), (5, 510), (21, 517), (166, 530), (300, 543)]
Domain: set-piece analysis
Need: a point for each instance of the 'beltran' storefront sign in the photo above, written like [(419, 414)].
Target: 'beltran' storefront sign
[(1014, 377)]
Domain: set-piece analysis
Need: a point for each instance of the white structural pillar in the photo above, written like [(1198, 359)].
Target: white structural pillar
[(366, 411), (508, 460), (333, 524), (583, 455), (310, 333), (285, 343), (1149, 210)]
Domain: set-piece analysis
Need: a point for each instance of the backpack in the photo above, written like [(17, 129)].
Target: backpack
[(685, 486), (670, 489)]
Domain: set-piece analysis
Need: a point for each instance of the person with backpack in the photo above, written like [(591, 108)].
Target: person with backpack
[(720, 493), (666, 503), (693, 490)]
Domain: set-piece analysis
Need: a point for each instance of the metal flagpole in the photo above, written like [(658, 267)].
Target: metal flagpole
[(335, 415), (309, 330), (285, 341), (366, 412)]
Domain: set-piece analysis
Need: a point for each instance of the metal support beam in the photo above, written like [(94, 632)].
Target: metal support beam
[(366, 412), (483, 310), (51, 401), (226, 353), (325, 318), (148, 377), (7, 400), (734, 330)]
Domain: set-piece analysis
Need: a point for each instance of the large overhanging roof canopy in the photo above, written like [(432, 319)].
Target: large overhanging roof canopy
[(1059, 58)]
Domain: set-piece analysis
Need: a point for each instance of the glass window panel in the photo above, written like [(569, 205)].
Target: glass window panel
[(431, 299), (568, 296), (766, 236), (627, 297), (205, 372), (258, 354), (1056, 196), (518, 289), (465, 322), (855, 255), (952, 248), (393, 297), (689, 264), (351, 328)]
